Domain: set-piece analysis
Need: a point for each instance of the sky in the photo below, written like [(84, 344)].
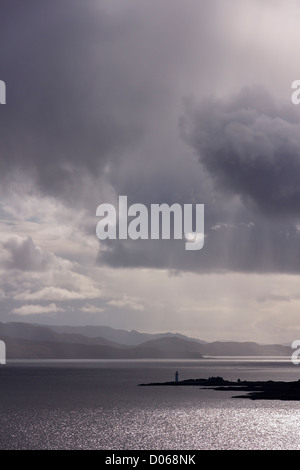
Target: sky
[(165, 102)]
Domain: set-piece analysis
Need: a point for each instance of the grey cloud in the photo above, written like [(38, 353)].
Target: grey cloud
[(250, 146), (24, 255)]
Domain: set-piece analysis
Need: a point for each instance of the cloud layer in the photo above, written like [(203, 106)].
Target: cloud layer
[(164, 102)]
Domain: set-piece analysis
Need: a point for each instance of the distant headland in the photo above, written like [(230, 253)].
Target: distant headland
[(256, 390)]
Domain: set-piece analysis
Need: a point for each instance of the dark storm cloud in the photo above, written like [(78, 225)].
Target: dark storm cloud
[(250, 145), (68, 97)]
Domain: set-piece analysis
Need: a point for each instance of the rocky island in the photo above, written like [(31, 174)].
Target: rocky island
[(255, 390)]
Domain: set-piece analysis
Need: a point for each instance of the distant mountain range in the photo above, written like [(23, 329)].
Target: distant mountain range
[(32, 341), (130, 338)]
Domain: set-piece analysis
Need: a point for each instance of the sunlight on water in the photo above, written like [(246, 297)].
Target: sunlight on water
[(103, 408), (245, 426)]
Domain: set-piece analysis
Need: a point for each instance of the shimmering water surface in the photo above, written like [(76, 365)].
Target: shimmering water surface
[(98, 405)]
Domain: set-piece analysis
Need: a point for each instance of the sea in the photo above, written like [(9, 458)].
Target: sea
[(98, 404)]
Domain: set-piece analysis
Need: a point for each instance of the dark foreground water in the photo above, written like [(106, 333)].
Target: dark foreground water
[(98, 405)]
